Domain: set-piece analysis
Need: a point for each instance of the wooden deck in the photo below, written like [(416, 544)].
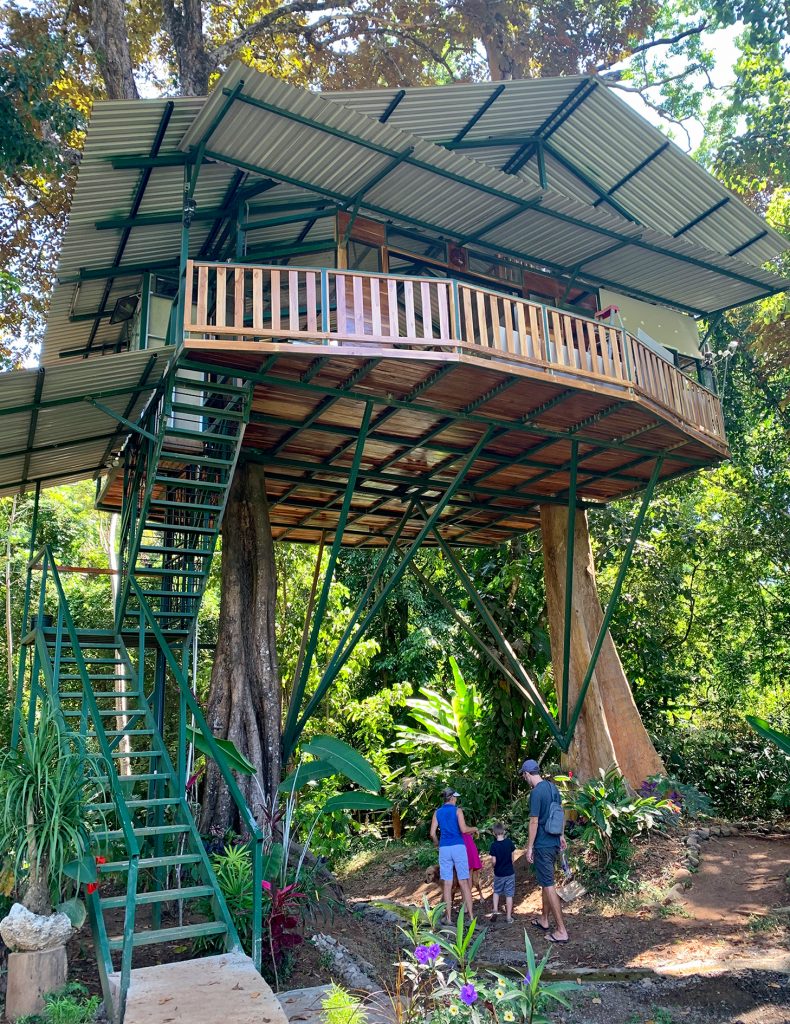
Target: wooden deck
[(527, 399), (347, 310)]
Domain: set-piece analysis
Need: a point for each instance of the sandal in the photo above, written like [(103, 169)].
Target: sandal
[(557, 942), (543, 927)]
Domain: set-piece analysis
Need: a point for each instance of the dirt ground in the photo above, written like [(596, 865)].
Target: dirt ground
[(721, 956)]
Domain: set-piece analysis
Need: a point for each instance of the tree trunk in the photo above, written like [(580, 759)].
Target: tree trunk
[(185, 26), (609, 730), (245, 698), (110, 42)]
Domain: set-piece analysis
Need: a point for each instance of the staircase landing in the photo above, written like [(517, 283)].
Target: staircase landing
[(211, 990)]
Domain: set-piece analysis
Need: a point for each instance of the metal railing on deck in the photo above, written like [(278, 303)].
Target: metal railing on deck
[(350, 308)]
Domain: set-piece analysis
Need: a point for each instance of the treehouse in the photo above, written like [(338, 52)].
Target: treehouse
[(438, 316)]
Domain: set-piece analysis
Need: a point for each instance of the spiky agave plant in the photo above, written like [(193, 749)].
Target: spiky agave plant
[(44, 792)]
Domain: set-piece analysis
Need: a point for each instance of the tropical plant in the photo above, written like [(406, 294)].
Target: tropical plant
[(685, 799), (43, 805), (446, 723), (609, 814), (781, 796), (341, 1007), (437, 980), (71, 1005)]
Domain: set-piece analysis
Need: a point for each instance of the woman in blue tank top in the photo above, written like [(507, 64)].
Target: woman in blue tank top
[(448, 822)]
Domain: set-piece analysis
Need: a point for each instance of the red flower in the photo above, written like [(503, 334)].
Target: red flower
[(92, 887), (101, 860), (570, 775)]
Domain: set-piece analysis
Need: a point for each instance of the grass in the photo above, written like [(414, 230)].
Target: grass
[(658, 1015), (767, 923)]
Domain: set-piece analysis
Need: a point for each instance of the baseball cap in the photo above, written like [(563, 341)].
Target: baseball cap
[(447, 793), (530, 767)]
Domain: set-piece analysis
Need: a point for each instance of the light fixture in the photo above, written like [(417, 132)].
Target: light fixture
[(124, 309)]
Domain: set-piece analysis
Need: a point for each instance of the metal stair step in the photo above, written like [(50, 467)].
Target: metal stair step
[(160, 801), (170, 527), (135, 753), (185, 506), (150, 570), (157, 550), (208, 411), (189, 892), (187, 931), (148, 830), (71, 694), (95, 678), (185, 481), (208, 386), (192, 595), (114, 734), (170, 861), (199, 435), (107, 713), (91, 661), (194, 460)]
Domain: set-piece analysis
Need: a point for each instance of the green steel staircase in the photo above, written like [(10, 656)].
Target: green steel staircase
[(156, 884), (177, 475)]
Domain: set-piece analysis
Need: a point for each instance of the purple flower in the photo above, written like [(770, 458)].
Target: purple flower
[(422, 954), (468, 994), (433, 950), (527, 979)]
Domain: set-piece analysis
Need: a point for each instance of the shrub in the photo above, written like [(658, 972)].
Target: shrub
[(739, 771), (341, 1007), (610, 816), (69, 1006), (685, 798)]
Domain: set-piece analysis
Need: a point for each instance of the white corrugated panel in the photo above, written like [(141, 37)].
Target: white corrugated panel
[(63, 437), (604, 137)]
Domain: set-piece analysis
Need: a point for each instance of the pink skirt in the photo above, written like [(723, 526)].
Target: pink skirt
[(475, 864)]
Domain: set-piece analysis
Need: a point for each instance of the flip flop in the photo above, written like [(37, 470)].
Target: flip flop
[(557, 942), (542, 927), (492, 917)]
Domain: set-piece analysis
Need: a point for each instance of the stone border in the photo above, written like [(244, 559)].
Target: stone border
[(683, 879)]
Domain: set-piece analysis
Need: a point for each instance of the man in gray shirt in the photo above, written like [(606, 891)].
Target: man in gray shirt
[(543, 849)]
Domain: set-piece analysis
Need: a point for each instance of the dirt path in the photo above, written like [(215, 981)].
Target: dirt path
[(724, 916)]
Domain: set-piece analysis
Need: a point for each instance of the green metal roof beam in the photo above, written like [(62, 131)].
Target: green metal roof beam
[(55, 403), (288, 218), (31, 431), (574, 168), (56, 446), (392, 105), (476, 116), (375, 147), (634, 171), (136, 163), (215, 122), (129, 270), (698, 220), (582, 91), (740, 248), (144, 220)]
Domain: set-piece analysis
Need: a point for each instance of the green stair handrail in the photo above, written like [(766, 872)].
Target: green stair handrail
[(132, 846), (246, 815)]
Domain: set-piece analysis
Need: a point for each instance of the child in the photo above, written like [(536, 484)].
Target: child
[(475, 864), (502, 850)]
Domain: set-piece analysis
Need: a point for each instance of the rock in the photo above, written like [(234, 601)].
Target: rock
[(355, 974), (682, 877), (692, 840), (703, 833), (27, 932), (31, 976), (715, 830), (693, 862), (675, 895)]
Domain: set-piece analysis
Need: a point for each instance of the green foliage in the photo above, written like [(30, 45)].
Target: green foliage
[(447, 723), (609, 816), (71, 1005), (438, 979), (685, 799), (43, 806), (737, 770), (781, 739), (341, 1007)]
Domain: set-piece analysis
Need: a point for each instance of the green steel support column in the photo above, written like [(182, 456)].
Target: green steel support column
[(290, 730), (612, 603), (183, 298), (35, 686), (145, 310), (501, 641), (329, 671), (20, 675), (342, 658), (570, 544)]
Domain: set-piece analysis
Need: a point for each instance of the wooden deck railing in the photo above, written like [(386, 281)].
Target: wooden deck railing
[(350, 309)]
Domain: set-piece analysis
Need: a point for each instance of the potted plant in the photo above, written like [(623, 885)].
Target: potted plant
[(45, 843)]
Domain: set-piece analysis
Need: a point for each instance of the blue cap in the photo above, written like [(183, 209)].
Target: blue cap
[(530, 767)]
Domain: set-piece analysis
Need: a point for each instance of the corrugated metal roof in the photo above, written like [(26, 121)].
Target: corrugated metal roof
[(603, 137), (49, 432), (328, 148)]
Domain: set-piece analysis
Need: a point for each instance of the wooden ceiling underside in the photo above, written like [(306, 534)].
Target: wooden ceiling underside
[(427, 416)]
